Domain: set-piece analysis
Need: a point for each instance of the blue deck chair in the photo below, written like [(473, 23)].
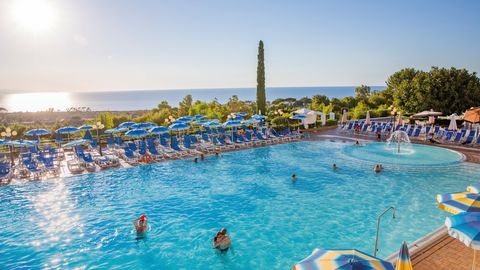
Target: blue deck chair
[(110, 142), (478, 140), (132, 146), (417, 132), (410, 132), (4, 170), (427, 129), (470, 137), (458, 137), (94, 143)]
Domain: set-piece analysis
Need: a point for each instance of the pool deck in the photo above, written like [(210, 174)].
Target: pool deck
[(436, 250)]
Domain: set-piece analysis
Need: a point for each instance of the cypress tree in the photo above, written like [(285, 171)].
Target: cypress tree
[(261, 97)]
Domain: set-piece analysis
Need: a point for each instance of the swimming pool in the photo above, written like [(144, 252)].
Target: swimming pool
[(86, 221)]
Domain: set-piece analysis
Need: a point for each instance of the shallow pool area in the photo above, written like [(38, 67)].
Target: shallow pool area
[(86, 221)]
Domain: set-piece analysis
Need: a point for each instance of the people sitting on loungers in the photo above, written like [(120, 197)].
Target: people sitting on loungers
[(141, 224), (221, 241)]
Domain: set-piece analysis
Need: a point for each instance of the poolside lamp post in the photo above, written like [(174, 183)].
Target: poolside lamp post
[(378, 226), (98, 126), (9, 133)]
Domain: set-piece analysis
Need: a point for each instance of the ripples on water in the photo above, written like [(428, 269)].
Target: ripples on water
[(86, 221)]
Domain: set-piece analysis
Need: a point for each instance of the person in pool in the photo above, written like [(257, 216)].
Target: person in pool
[(195, 160), (357, 143), (334, 166), (221, 241), (202, 157), (294, 177), (378, 168), (141, 224)]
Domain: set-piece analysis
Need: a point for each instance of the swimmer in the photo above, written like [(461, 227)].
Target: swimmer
[(195, 160), (335, 166), (294, 177), (202, 157), (357, 143), (221, 241), (378, 168), (217, 154), (141, 224)]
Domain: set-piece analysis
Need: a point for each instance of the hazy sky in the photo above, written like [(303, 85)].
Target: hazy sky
[(118, 44)]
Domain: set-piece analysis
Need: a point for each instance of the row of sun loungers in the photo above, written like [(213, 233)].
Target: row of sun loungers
[(468, 137), (34, 163)]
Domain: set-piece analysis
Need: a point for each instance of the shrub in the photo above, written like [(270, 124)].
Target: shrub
[(280, 123)]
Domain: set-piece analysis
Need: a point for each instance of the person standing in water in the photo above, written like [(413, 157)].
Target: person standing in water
[(221, 241), (141, 224), (294, 178)]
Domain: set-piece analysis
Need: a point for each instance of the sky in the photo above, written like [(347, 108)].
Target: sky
[(106, 45)]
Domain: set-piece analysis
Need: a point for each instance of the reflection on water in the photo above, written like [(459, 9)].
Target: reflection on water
[(32, 102)]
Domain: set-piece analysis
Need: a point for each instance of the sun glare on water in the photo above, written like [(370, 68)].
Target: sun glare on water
[(36, 16), (33, 102)]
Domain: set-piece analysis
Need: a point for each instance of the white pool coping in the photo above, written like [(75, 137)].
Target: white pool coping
[(419, 245)]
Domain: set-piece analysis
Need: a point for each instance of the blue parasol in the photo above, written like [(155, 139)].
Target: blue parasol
[(37, 132), (126, 124), (136, 133), (158, 130), (178, 127)]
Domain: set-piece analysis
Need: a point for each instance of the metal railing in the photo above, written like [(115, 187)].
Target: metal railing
[(378, 226)]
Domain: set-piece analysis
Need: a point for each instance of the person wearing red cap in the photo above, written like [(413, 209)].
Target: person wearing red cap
[(141, 224)]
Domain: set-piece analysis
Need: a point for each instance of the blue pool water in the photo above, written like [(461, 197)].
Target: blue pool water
[(86, 221)]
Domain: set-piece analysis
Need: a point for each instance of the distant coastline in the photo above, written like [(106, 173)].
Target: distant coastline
[(134, 100)]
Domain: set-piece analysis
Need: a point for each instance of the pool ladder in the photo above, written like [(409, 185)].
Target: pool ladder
[(378, 225)]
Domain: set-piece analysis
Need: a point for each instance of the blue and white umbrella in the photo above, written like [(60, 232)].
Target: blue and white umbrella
[(212, 124), (186, 118), (232, 124), (199, 122), (251, 121), (126, 124), (259, 116), (143, 125), (178, 127), (199, 116), (85, 127), (22, 143), (158, 130), (137, 133), (67, 130), (297, 117), (466, 228), (4, 142), (242, 114), (37, 132), (235, 118), (77, 142), (116, 130)]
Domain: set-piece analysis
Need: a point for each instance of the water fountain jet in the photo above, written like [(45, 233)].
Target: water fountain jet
[(399, 137)]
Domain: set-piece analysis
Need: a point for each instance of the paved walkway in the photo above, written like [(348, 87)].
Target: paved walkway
[(446, 253)]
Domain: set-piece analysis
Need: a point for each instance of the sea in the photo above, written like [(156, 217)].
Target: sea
[(147, 99)]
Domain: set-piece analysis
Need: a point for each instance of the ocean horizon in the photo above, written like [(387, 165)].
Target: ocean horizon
[(147, 99)]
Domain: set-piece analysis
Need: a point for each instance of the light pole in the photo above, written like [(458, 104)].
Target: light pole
[(98, 126), (378, 226), (9, 133)]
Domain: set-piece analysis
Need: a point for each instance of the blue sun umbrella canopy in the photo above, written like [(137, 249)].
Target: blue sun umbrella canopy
[(235, 118), (297, 117), (242, 114), (85, 127), (126, 124), (137, 133), (212, 124), (200, 122), (158, 130), (22, 143), (199, 116), (251, 121), (466, 228), (143, 125), (232, 124), (77, 142), (178, 127), (322, 259), (37, 132), (258, 116), (403, 261), (186, 118), (67, 130), (116, 130)]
